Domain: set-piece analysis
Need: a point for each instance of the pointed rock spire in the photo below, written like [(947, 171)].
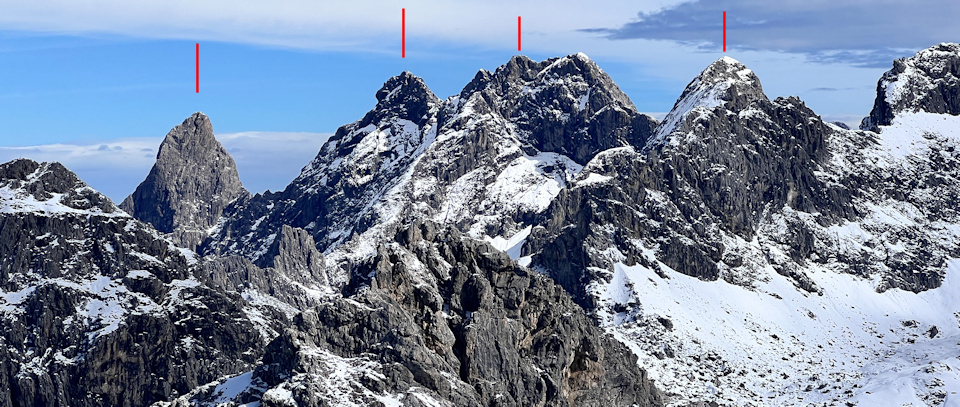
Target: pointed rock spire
[(294, 254), (191, 183)]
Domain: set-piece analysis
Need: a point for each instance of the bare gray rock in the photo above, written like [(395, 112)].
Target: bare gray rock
[(415, 155), (728, 163), (456, 321), (293, 271), (97, 309), (191, 183), (100, 309)]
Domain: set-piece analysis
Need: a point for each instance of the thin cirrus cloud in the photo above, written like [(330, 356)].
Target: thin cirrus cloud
[(855, 32), (321, 25), (265, 160)]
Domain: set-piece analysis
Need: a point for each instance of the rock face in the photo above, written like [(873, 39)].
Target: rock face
[(486, 160), (928, 82), (758, 197), (356, 167), (292, 271), (95, 308), (722, 158), (725, 163), (565, 105), (438, 318), (193, 180)]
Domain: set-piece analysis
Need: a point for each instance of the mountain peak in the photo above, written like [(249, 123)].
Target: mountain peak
[(523, 69), (564, 105), (726, 83), (727, 73), (195, 131), (400, 85), (406, 96), (925, 82), (728, 60), (574, 64), (191, 183)]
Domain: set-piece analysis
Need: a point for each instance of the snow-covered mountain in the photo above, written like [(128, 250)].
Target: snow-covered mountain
[(754, 255), (532, 240), (486, 160), (926, 82)]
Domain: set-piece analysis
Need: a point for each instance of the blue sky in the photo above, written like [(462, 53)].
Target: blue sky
[(76, 76)]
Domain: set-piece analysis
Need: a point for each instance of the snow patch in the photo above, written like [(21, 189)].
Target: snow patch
[(778, 343), (511, 245)]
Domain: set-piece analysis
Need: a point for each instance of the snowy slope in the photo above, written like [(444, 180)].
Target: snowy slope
[(746, 251), (756, 337), (726, 83), (772, 345), (752, 254), (925, 82)]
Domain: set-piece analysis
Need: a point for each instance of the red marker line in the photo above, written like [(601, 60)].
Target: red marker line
[(403, 33), (198, 67), (518, 33), (724, 31)]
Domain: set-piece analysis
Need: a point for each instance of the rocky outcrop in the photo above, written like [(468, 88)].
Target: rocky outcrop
[(292, 271), (96, 308), (562, 105), (928, 81), (729, 166), (369, 279), (335, 193), (486, 160), (746, 193), (437, 316), (720, 161), (191, 183)]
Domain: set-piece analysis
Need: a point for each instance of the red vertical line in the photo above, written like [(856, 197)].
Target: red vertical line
[(518, 33), (403, 33), (724, 31), (198, 67)]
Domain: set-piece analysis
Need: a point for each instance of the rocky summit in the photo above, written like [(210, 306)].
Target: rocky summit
[(533, 240), (193, 180)]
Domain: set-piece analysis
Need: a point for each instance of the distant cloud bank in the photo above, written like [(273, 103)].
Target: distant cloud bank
[(265, 160)]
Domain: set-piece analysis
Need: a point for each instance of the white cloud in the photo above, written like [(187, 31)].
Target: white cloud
[(270, 160), (658, 115), (265, 160), (127, 154), (326, 25)]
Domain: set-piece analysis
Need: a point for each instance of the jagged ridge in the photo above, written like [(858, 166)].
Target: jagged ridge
[(416, 155)]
